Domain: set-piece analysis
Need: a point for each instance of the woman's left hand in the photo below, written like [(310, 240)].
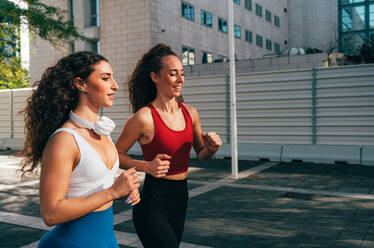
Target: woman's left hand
[(133, 198), (212, 141)]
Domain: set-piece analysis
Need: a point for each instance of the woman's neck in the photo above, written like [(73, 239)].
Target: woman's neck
[(86, 113), (165, 105)]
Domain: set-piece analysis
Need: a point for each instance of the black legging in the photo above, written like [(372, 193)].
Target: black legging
[(159, 217)]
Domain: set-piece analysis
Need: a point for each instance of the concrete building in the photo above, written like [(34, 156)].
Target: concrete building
[(313, 24), (333, 25), (356, 24), (196, 30)]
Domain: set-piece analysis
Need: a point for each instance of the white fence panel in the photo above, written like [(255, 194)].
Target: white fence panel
[(320, 115), (275, 107), (5, 113), (345, 105), (20, 97), (208, 96)]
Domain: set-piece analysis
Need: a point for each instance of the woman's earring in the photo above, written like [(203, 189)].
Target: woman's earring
[(83, 91)]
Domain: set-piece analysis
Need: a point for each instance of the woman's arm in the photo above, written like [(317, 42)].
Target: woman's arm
[(59, 158), (139, 127), (204, 144)]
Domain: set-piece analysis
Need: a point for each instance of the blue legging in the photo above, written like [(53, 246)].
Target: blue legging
[(92, 230)]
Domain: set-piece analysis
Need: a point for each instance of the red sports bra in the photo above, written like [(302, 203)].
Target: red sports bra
[(176, 144)]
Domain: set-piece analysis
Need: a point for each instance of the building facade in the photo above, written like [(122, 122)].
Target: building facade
[(356, 24), (196, 30), (313, 24), (333, 25)]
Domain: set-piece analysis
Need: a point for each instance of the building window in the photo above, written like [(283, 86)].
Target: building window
[(371, 15), (95, 46), (258, 10), (352, 42), (268, 15), (276, 21), (248, 36), (353, 18), (269, 45), (207, 58), (352, 1), (94, 17), (276, 48), (223, 58), (222, 25), (237, 32), (188, 56), (259, 40), (188, 11), (237, 1), (248, 4), (356, 20), (206, 18), (71, 6)]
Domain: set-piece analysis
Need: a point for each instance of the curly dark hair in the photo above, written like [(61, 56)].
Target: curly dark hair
[(50, 103), (142, 89)]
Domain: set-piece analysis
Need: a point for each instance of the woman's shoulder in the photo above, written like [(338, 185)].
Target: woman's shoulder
[(142, 116), (191, 109), (62, 136), (63, 142)]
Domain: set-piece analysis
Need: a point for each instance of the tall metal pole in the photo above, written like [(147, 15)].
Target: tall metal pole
[(234, 145)]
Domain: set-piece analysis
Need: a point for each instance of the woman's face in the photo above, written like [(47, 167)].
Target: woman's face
[(101, 85), (169, 81)]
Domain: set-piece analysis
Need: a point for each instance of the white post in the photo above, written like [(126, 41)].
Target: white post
[(234, 145), (24, 36)]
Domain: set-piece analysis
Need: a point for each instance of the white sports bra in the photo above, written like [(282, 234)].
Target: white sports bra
[(91, 174)]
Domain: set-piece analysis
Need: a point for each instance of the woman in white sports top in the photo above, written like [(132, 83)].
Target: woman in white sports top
[(78, 159)]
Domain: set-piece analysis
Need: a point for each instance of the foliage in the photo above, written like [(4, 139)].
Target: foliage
[(367, 52), (310, 50), (12, 75), (49, 23)]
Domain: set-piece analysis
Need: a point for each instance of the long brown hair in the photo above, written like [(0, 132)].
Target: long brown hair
[(52, 99), (141, 87)]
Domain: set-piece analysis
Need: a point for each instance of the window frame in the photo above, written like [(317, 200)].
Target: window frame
[(248, 5), (202, 57), (276, 48), (267, 43), (236, 31), (268, 15), (189, 7), (276, 21), (259, 10), (248, 33), (218, 25), (205, 19), (189, 50), (259, 41)]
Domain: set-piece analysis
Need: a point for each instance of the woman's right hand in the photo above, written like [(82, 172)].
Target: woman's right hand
[(125, 183), (159, 166)]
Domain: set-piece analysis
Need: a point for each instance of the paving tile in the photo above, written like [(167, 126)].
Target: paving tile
[(13, 236), (239, 215)]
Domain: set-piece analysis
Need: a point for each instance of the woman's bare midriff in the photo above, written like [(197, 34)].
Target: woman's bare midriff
[(180, 176), (104, 207)]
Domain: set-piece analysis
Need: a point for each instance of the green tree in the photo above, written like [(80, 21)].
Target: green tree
[(367, 51), (47, 22), (12, 75)]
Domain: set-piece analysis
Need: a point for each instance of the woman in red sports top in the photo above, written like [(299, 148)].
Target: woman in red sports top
[(166, 129)]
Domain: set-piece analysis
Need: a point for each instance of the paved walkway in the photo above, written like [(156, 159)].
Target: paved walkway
[(270, 205)]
